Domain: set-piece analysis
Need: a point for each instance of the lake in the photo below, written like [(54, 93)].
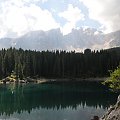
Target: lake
[(54, 101)]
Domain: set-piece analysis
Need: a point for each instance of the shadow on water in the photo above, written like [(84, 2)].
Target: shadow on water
[(19, 98)]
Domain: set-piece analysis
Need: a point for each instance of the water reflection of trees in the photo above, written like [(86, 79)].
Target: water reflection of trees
[(19, 98)]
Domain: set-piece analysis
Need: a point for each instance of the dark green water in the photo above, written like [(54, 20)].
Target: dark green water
[(56, 101)]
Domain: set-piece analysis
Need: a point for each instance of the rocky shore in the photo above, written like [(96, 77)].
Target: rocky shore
[(113, 112)]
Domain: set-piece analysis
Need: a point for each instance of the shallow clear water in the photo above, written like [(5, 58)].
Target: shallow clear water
[(56, 101)]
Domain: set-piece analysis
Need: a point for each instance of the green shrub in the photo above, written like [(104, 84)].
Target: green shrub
[(114, 80)]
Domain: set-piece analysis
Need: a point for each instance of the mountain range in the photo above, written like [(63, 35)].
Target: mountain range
[(78, 40)]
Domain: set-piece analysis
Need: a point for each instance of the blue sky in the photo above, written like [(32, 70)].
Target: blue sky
[(62, 5), (18, 17)]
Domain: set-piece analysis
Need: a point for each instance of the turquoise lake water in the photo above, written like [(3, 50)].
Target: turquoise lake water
[(54, 101)]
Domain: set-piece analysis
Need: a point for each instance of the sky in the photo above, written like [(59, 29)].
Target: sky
[(18, 17)]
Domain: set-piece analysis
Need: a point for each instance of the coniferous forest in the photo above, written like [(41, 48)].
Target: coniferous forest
[(58, 64)]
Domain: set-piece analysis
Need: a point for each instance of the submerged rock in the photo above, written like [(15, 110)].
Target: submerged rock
[(113, 112), (95, 118)]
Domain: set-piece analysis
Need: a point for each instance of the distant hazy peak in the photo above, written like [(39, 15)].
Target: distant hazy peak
[(78, 39)]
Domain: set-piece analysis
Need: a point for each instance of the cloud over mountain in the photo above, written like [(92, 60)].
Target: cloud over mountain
[(107, 12), (17, 17), (72, 15)]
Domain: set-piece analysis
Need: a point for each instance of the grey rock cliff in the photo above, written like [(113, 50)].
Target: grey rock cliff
[(77, 39), (113, 112)]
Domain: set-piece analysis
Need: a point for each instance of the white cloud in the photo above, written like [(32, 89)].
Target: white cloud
[(72, 15), (107, 12), (67, 28), (33, 1), (17, 18), (44, 1)]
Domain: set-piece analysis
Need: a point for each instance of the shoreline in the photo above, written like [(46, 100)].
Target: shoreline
[(53, 80), (73, 79), (60, 80)]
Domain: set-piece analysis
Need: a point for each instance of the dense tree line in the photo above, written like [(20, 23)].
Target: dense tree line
[(58, 64)]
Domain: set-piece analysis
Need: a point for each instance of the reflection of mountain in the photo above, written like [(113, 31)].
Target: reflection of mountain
[(51, 96)]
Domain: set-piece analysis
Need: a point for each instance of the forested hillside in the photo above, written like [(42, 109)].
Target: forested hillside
[(58, 64)]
